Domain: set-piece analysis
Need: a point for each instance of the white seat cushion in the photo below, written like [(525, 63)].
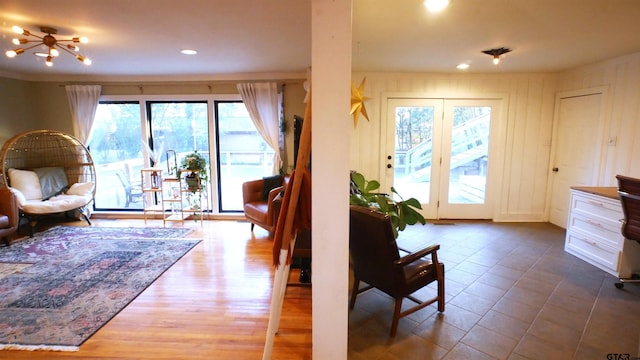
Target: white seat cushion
[(56, 204)]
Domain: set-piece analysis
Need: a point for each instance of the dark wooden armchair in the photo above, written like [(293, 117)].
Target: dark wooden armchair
[(629, 193), (9, 218), (376, 261)]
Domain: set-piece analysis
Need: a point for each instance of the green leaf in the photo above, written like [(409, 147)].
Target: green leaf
[(358, 179), (371, 186)]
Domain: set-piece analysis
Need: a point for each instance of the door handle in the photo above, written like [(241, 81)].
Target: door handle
[(555, 169)]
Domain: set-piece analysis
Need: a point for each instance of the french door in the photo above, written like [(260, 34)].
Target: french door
[(439, 151)]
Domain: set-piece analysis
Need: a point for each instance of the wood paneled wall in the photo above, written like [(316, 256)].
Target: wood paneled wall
[(621, 140), (526, 130)]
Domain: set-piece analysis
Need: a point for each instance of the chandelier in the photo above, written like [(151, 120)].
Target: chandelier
[(51, 44)]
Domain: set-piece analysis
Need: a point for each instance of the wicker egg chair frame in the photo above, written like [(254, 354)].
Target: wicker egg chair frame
[(47, 148)]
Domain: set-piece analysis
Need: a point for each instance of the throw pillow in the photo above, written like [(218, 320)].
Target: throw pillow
[(270, 183), (53, 181), (82, 189), (26, 182)]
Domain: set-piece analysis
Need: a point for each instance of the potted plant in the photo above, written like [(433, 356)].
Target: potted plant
[(401, 213), (196, 164)]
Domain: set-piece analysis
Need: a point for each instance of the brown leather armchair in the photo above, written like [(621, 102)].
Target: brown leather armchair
[(9, 217), (376, 260), (259, 210)]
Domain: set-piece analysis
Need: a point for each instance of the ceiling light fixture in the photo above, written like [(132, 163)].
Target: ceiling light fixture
[(436, 5), (188, 51), (50, 42), (496, 53)]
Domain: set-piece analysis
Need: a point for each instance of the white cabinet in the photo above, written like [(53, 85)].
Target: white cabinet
[(593, 231)]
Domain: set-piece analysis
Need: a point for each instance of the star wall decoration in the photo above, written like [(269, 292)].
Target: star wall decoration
[(357, 102)]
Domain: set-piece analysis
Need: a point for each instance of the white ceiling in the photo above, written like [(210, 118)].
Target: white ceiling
[(141, 39)]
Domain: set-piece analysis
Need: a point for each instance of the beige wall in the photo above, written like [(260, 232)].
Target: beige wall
[(26, 105), (527, 126), (17, 110)]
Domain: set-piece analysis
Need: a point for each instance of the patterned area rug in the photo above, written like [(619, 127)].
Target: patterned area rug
[(61, 286)]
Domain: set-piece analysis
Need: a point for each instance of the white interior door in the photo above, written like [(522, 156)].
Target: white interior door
[(577, 150), (438, 152)]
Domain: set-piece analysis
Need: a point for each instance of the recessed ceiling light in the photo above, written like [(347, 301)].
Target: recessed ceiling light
[(436, 5), (462, 66), (188, 52)]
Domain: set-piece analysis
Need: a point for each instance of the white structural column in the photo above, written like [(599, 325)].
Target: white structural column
[(331, 130)]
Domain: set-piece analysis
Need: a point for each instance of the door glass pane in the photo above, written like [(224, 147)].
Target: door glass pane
[(182, 127), (469, 151), (116, 149), (413, 151), (243, 154)]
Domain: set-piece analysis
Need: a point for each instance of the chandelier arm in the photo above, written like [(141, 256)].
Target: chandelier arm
[(34, 35), (79, 57), (66, 50), (31, 47)]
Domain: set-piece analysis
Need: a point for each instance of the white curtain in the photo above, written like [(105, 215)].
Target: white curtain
[(264, 104), (83, 101)]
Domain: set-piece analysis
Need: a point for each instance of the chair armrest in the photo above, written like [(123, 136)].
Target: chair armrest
[(274, 192), (9, 206), (273, 208), (407, 259)]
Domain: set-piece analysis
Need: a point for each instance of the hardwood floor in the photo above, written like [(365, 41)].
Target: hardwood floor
[(212, 304), (512, 292)]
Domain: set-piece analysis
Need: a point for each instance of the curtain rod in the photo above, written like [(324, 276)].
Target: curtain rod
[(177, 83)]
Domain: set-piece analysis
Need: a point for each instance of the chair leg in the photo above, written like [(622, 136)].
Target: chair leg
[(252, 225), (354, 293), (396, 317), (441, 294)]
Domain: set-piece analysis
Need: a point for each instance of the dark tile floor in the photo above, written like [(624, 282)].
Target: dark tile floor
[(511, 293)]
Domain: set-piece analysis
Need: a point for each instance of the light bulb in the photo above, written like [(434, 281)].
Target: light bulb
[(496, 59), (49, 61), (17, 29), (436, 5), (13, 53), (83, 59), (54, 52)]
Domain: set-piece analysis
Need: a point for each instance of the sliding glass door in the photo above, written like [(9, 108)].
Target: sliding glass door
[(242, 153), (222, 131)]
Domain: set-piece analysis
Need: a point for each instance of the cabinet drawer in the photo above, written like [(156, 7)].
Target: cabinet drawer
[(590, 205), (589, 247), (603, 231)]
